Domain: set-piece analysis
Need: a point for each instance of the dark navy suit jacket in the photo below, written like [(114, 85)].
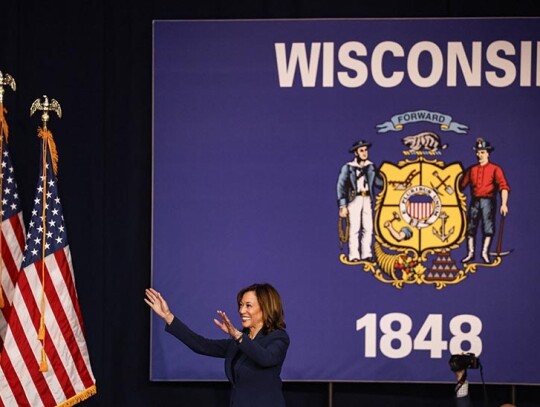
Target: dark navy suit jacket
[(253, 367)]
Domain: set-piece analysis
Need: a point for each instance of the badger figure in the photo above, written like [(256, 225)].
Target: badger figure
[(424, 141)]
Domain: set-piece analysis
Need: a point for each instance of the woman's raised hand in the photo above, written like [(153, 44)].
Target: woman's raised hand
[(158, 304), (227, 326)]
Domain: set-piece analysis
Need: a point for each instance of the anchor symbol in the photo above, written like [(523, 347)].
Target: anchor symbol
[(441, 233)]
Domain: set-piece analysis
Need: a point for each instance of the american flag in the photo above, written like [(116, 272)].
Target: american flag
[(420, 207), (45, 360), (12, 237)]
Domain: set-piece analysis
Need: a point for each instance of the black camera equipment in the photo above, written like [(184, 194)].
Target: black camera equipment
[(463, 362)]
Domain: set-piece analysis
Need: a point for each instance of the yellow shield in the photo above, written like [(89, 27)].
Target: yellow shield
[(421, 207)]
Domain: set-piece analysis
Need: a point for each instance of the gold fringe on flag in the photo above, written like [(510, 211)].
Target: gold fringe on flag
[(79, 397)]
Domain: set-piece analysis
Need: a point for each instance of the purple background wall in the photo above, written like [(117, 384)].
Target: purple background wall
[(244, 186)]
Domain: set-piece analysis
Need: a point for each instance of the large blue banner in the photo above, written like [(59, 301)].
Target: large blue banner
[(381, 174)]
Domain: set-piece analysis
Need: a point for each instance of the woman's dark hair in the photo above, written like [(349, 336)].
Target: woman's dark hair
[(270, 303)]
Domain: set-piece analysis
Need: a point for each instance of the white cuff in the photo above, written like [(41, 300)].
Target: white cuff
[(463, 390)]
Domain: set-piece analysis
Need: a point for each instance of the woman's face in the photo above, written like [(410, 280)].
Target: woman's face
[(250, 311)]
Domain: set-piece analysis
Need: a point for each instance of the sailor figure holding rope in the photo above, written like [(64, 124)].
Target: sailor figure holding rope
[(355, 193)]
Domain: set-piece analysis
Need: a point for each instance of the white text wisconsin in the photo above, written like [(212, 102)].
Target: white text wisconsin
[(425, 64)]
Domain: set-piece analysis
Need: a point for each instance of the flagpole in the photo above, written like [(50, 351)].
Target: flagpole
[(4, 133), (47, 144)]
